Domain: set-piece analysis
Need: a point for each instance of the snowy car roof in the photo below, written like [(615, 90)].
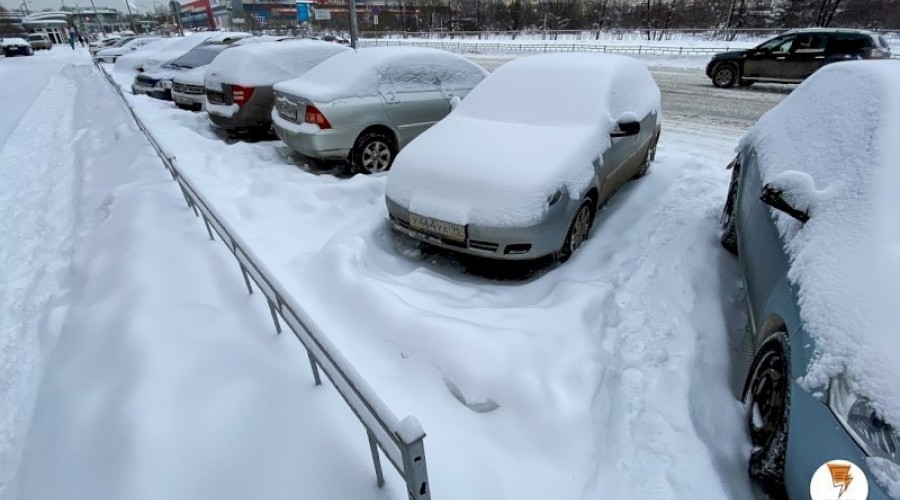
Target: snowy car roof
[(533, 127), (833, 143), (356, 72), (269, 63), (10, 42)]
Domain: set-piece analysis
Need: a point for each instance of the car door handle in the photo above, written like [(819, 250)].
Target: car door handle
[(782, 58), (820, 57)]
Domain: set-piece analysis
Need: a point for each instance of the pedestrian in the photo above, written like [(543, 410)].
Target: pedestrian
[(72, 42)]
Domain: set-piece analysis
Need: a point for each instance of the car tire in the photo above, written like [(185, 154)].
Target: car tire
[(373, 152), (648, 158), (725, 75), (579, 230), (767, 396), (727, 222)]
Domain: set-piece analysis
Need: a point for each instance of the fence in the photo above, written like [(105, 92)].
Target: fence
[(401, 441), (618, 36), (496, 47)]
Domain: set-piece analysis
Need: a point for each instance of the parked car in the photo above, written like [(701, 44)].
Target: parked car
[(15, 47), (502, 179), (110, 54), (106, 42), (40, 41), (793, 56), (157, 83), (811, 212), (155, 54), (239, 83), (366, 105), (188, 91)]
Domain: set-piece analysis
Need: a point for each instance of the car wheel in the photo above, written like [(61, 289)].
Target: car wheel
[(373, 152), (648, 158), (725, 76), (729, 228), (767, 397), (579, 230)]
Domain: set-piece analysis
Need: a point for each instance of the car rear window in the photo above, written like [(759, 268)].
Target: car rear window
[(882, 42), (847, 43)]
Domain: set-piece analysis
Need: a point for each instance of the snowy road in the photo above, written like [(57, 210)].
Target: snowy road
[(612, 376)]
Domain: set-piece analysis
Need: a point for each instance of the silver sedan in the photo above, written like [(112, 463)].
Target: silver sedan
[(366, 105), (519, 169)]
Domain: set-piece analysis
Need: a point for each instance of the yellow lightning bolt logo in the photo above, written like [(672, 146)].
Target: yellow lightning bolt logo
[(840, 476)]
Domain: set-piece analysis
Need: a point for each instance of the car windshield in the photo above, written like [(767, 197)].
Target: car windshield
[(200, 56), (35, 37)]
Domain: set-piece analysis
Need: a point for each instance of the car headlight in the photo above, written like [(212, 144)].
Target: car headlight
[(164, 84), (876, 437)]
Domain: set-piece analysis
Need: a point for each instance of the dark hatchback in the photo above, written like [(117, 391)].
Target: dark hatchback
[(15, 47), (158, 83), (793, 56)]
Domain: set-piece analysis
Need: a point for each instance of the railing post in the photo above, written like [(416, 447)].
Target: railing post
[(274, 316), (315, 367), (415, 468), (208, 229), (246, 278), (376, 460)]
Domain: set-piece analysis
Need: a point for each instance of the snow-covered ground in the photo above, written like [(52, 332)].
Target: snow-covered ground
[(611, 376)]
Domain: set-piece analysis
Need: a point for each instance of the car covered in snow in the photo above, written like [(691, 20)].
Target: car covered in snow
[(239, 83), (811, 212), (105, 42), (366, 105), (793, 56), (40, 41), (15, 47), (519, 168), (156, 54), (110, 54), (157, 83)]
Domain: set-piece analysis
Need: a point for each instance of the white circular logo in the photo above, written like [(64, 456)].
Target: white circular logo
[(839, 480)]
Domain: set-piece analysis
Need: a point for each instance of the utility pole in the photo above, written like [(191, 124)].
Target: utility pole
[(354, 28), (98, 16), (131, 16), (177, 12)]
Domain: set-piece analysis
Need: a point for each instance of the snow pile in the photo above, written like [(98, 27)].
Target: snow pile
[(263, 64), (841, 127), (513, 142), (358, 73)]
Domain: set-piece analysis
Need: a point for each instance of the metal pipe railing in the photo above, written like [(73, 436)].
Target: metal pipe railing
[(401, 441)]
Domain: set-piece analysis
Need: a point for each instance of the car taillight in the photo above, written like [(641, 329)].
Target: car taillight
[(241, 95), (313, 115)]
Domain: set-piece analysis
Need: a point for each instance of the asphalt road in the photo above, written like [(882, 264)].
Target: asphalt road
[(688, 96)]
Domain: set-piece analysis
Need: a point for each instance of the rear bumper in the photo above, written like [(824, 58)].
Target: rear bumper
[(319, 144), (248, 117)]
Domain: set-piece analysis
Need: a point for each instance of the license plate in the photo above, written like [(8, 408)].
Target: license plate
[(182, 100), (436, 227), (287, 110), (215, 97)]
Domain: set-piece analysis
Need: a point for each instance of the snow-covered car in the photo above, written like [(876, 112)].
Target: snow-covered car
[(109, 55), (366, 105), (519, 168), (154, 55), (40, 41), (105, 42), (15, 47), (157, 83), (811, 212), (239, 83), (188, 91)]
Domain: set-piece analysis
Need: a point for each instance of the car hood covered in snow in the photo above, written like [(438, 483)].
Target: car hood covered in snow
[(839, 158), (191, 76), (533, 127)]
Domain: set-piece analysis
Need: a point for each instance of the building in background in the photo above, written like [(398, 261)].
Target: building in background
[(197, 14)]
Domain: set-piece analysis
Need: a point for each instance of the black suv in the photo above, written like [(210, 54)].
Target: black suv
[(793, 56)]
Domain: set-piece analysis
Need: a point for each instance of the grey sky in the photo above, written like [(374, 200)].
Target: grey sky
[(38, 5)]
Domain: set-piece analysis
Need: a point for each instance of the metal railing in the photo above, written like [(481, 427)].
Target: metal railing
[(467, 47), (401, 441)]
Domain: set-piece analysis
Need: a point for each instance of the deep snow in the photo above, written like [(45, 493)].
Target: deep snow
[(611, 376)]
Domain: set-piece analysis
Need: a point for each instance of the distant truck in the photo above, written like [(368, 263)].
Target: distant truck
[(39, 41)]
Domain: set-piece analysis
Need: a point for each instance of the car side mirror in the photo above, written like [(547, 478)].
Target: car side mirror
[(774, 197), (626, 126), (454, 102)]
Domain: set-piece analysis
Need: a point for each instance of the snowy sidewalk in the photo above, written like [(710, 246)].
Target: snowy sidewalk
[(167, 380)]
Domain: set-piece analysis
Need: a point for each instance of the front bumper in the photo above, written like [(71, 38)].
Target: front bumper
[(193, 101), (320, 144), (138, 89), (501, 243)]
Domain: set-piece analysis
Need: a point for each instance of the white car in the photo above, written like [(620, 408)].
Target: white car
[(519, 168), (109, 55), (166, 50)]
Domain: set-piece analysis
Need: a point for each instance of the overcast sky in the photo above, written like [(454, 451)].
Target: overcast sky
[(39, 5)]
